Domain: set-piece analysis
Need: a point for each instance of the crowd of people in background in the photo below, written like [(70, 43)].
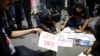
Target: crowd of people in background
[(21, 10), (80, 14)]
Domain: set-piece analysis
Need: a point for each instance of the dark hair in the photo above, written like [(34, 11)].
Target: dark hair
[(44, 14), (79, 5), (0, 0), (97, 30)]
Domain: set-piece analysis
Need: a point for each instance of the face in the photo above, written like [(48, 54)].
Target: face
[(5, 4), (78, 9)]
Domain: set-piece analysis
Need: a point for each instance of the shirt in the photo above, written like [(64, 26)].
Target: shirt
[(6, 48), (77, 15)]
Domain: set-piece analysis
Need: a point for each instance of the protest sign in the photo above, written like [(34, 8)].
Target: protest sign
[(64, 41), (48, 41)]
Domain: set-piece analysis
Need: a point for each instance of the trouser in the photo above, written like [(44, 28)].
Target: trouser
[(18, 18), (91, 6), (75, 23), (27, 9), (70, 3), (19, 13), (62, 4)]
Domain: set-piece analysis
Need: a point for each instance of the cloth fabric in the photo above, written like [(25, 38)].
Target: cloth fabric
[(83, 14), (6, 48)]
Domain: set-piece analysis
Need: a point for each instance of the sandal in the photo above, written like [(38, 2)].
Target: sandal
[(87, 50)]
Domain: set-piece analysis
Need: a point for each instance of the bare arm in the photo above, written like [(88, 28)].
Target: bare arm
[(16, 34), (85, 24), (66, 21), (45, 27)]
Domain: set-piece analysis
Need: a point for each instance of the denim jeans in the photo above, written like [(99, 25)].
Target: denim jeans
[(75, 23)]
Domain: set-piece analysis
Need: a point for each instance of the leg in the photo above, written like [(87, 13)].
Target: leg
[(80, 22), (18, 19), (91, 6), (27, 9)]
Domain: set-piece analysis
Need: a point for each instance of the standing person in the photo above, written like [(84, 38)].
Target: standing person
[(91, 6), (77, 16), (98, 9), (6, 48), (18, 13), (27, 9)]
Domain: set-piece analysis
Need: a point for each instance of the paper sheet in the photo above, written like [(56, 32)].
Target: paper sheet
[(67, 29), (63, 40), (48, 41)]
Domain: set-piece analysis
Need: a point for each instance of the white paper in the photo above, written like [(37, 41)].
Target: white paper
[(63, 35), (48, 41), (88, 37), (82, 36), (82, 54), (75, 35), (67, 29), (64, 41)]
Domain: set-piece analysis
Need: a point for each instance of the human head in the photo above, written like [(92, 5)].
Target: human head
[(79, 6), (45, 15), (5, 4), (97, 30)]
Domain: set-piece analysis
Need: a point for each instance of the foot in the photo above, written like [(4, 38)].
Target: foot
[(87, 50)]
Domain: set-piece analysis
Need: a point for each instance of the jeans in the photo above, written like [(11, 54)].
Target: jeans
[(75, 23)]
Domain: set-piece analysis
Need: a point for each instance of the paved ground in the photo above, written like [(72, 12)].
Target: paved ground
[(31, 41)]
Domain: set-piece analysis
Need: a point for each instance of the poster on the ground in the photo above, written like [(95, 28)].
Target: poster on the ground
[(82, 36), (63, 40), (67, 30), (48, 41)]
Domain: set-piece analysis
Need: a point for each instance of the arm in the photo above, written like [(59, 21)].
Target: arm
[(16, 34), (66, 21), (84, 26), (45, 27), (57, 30)]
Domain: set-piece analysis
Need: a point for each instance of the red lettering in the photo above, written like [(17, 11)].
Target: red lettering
[(48, 43)]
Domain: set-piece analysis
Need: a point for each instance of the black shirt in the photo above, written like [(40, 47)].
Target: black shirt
[(4, 48), (83, 14)]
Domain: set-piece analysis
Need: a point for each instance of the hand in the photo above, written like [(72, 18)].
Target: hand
[(57, 30), (62, 27), (87, 51), (37, 30), (78, 30)]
